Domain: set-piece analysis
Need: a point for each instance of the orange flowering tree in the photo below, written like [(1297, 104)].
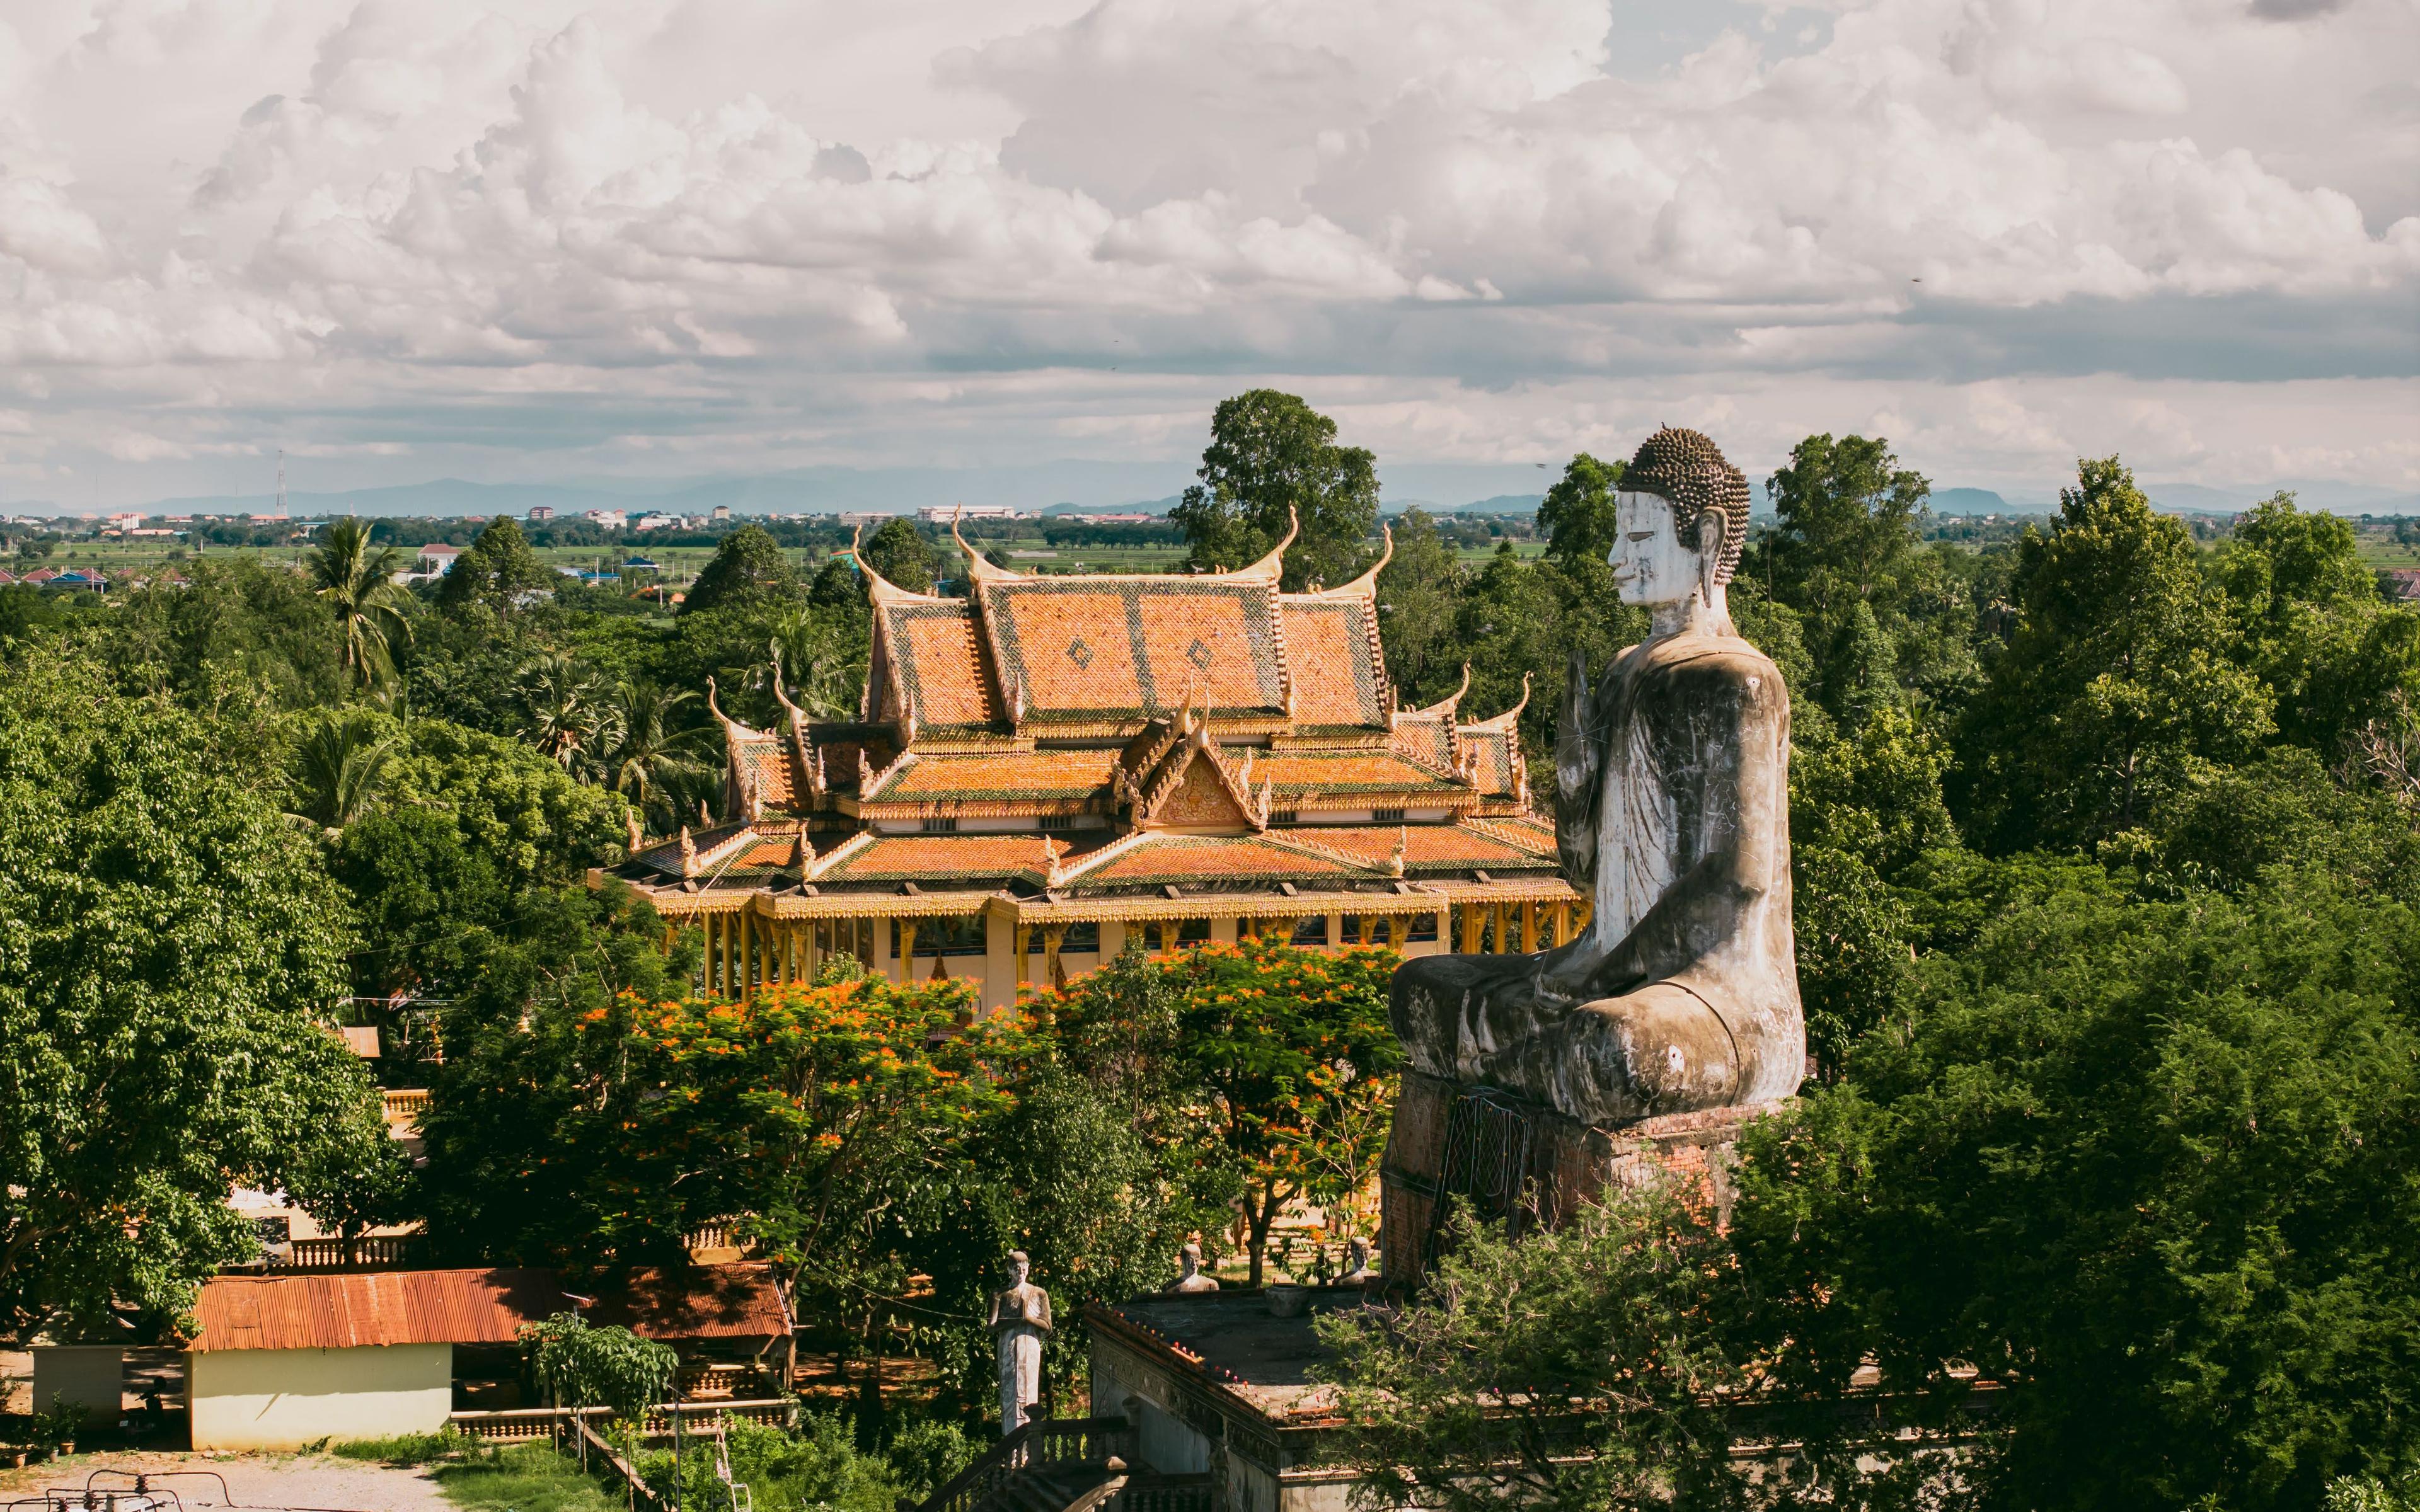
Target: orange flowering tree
[(813, 1111), (1285, 1055)]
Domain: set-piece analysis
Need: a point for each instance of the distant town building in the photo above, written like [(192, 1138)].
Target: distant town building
[(611, 519), (868, 516), (126, 522), (2403, 585), (721, 513), (943, 514), (1129, 518), (541, 512), (655, 523), (438, 559)]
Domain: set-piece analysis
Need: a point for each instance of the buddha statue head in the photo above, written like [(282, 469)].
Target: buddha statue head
[(1681, 520)]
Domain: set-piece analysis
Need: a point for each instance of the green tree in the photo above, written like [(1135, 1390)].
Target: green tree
[(499, 567), (2141, 1166), (1847, 512), (1270, 452), (569, 711), (1585, 1369), (653, 762), (580, 1365), (1417, 592), (240, 635), (1576, 515), (1285, 1055), (168, 953), (2118, 686), (357, 582), (900, 555), (747, 569), (2311, 624), (340, 763)]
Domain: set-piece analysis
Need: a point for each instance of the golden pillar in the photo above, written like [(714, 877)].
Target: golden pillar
[(1563, 922), (1052, 936), (907, 953), (1024, 953), (1473, 927)]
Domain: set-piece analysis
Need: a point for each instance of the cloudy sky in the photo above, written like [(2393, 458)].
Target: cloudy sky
[(559, 240)]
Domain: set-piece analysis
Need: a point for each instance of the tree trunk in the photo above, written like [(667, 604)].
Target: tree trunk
[(1260, 1216)]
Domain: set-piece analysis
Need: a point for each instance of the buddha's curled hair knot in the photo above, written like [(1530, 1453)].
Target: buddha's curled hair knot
[(1689, 469)]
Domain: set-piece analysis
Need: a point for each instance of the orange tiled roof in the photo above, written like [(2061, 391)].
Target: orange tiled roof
[(910, 857), (1424, 845), (1299, 773), (765, 769), (1496, 758), (934, 658), (1089, 648), (1164, 857), (1020, 774), (1336, 677)]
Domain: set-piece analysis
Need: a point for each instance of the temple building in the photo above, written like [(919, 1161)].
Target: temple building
[(1047, 766)]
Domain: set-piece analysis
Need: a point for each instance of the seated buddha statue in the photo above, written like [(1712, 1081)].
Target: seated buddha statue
[(1672, 789)]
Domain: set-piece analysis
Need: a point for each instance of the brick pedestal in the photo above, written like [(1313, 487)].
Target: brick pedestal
[(1525, 1162)]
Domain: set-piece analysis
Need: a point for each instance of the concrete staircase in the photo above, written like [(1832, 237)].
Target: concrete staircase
[(1078, 1465)]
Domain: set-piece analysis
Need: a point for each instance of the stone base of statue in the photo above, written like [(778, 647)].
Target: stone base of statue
[(1523, 1163)]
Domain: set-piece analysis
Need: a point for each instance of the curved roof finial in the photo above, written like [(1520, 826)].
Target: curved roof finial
[(978, 567), (1366, 586), (1508, 717), (879, 589), (1271, 567)]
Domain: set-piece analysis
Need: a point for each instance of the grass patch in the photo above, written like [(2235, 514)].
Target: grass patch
[(402, 1448), (526, 1477)]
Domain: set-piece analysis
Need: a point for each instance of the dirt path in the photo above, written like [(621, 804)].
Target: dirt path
[(312, 1481)]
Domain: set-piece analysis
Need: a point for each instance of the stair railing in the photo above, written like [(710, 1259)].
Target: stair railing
[(1040, 1441)]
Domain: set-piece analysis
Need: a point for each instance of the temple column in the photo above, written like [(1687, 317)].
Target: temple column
[(1024, 953), (1563, 923), (1224, 930), (1336, 931), (1474, 928), (1052, 934), (907, 953)]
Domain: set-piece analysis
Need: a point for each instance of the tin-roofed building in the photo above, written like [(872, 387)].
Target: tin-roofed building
[(1048, 765)]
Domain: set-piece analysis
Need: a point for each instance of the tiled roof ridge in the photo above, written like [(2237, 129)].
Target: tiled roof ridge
[(1168, 776), (1329, 853), (1495, 830), (840, 854), (1091, 860), (1502, 723), (806, 765)]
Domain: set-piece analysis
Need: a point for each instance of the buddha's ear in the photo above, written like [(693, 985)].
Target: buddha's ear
[(1711, 528)]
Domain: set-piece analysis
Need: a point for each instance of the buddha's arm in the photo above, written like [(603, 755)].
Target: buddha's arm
[(1746, 792), (1579, 768)]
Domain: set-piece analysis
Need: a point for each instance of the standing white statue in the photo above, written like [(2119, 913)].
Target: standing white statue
[(1189, 1276), (1020, 1320)]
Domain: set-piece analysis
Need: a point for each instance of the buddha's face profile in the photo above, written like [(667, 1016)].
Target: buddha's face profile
[(1651, 563)]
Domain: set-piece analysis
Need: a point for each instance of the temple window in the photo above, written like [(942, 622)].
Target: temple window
[(935, 825), (1387, 816), (964, 936), (1311, 931)]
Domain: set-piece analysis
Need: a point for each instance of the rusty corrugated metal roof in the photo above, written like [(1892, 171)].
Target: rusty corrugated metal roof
[(341, 1312), (705, 1303)]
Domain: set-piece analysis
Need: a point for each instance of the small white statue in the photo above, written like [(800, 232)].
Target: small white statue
[(1356, 1271), (1188, 1264), (1020, 1320)]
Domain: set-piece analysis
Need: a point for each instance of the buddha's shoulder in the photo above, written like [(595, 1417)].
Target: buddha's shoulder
[(1728, 658)]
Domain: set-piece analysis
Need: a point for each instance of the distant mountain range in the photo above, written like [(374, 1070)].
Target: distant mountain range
[(1080, 487)]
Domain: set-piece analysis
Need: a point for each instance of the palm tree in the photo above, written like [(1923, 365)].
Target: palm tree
[(653, 762), (340, 763), (802, 650), (358, 582), (567, 710)]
